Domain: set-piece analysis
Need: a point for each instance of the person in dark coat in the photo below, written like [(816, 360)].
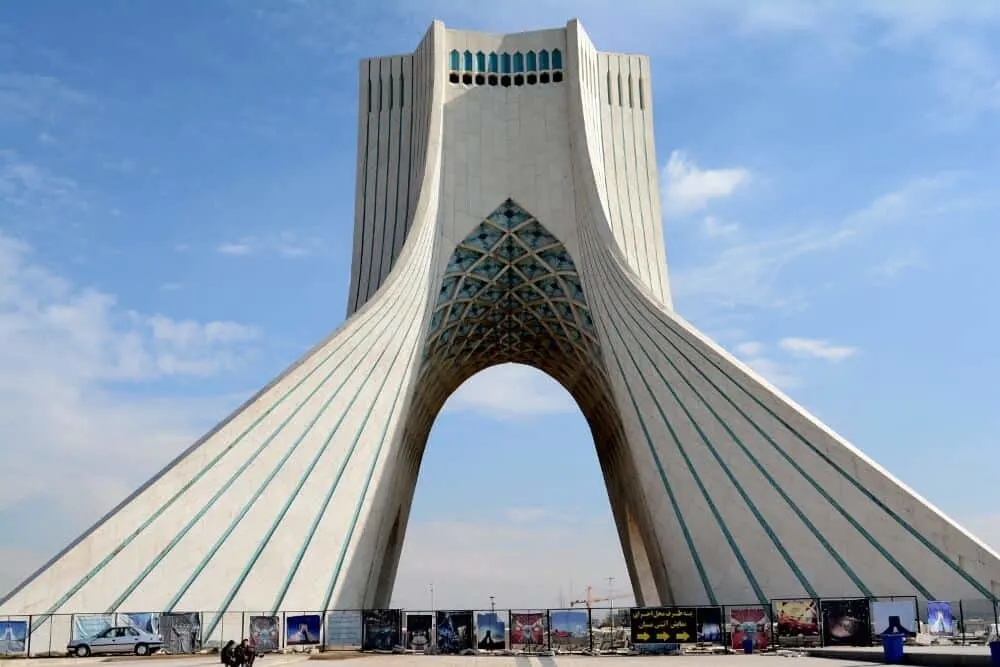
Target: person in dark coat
[(228, 654), (246, 654)]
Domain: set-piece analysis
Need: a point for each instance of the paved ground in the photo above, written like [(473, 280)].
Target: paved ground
[(460, 661)]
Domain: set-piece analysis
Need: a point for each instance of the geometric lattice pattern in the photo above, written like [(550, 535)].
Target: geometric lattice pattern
[(511, 291)]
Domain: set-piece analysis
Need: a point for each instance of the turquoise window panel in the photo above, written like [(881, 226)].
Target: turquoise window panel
[(531, 61), (483, 238), (505, 63), (467, 57), (518, 62), (534, 236), (494, 65), (557, 59), (455, 60), (543, 59), (480, 61)]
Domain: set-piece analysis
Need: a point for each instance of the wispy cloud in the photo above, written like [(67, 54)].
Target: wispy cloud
[(511, 391), (714, 227), (66, 352), (749, 274), (36, 97), (687, 187), (893, 266), (819, 349), (24, 185), (286, 244)]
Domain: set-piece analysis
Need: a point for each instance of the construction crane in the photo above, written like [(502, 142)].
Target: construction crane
[(590, 599)]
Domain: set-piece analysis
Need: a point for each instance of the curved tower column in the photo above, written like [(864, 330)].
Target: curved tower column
[(508, 211)]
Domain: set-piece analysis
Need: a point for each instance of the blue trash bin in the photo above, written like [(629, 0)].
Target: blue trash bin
[(748, 644), (892, 646), (995, 653)]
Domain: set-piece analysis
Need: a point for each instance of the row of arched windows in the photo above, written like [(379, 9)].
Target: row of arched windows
[(506, 63)]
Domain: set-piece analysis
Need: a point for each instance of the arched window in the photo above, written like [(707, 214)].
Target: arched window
[(468, 61), (518, 62), (455, 60), (494, 63), (480, 61), (556, 59), (505, 63), (531, 62), (543, 59)]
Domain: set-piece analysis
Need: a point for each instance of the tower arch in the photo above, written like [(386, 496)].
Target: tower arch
[(724, 491)]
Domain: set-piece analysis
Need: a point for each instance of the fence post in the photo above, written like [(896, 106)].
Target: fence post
[(27, 639)]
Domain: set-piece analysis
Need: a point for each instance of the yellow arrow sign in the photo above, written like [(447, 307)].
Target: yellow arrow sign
[(682, 636), (663, 636), (642, 636)]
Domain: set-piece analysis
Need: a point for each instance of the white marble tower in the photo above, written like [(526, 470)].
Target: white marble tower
[(508, 211)]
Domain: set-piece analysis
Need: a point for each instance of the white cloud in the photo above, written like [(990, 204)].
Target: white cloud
[(35, 97), (749, 349), (893, 266), (775, 372), (511, 391), (819, 349), (713, 227), (68, 359), (749, 274), (286, 244), (526, 558), (687, 187), (24, 184)]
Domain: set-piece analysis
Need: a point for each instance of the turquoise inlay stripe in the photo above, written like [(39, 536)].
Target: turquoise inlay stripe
[(687, 460), (364, 493), (38, 622), (868, 494), (222, 490), (899, 567), (243, 467), (260, 547), (293, 570), (277, 468), (630, 190), (760, 468), (770, 479), (803, 580), (660, 266)]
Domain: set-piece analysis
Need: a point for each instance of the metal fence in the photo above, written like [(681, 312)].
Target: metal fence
[(782, 622)]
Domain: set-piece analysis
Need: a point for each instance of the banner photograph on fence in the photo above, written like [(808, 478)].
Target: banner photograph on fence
[(527, 630), (181, 632), (490, 631), (797, 618), (87, 626), (383, 629), (454, 631), (846, 622), (895, 617), (13, 637), (302, 630), (264, 631), (939, 618), (569, 629), (709, 624), (750, 620), (343, 628), (418, 631), (674, 625)]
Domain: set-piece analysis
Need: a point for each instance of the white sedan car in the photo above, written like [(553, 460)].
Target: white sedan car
[(116, 640)]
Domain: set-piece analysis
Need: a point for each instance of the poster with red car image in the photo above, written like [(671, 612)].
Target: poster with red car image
[(749, 620), (797, 618), (528, 630)]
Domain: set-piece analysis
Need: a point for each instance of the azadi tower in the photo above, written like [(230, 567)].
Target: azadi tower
[(508, 211)]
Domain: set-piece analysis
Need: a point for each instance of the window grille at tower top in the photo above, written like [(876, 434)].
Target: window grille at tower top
[(543, 66)]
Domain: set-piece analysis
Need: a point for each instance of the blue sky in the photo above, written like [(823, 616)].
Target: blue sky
[(176, 203)]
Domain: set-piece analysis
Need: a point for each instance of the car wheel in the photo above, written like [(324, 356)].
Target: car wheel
[(82, 651), (141, 649)]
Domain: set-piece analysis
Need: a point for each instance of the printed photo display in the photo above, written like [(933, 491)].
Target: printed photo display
[(846, 622)]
